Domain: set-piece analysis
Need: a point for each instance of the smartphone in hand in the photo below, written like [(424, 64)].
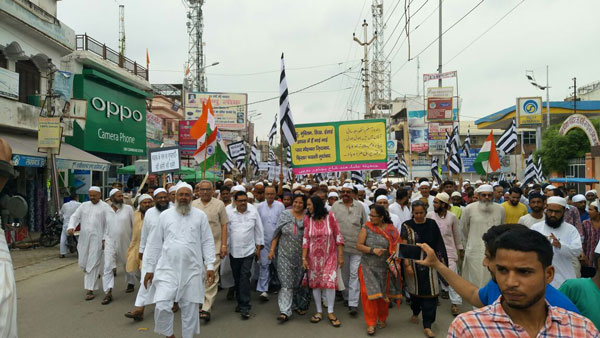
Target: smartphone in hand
[(408, 251)]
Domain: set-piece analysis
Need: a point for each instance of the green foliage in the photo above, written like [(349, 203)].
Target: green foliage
[(557, 149)]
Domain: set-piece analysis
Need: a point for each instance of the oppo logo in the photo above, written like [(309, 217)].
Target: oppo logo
[(112, 108)]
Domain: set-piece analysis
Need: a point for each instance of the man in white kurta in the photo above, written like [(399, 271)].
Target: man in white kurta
[(66, 211), (92, 217), (476, 219), (564, 237), (161, 203), (269, 212), (174, 258), (117, 236)]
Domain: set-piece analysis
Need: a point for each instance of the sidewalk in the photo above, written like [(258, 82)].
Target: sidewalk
[(28, 263)]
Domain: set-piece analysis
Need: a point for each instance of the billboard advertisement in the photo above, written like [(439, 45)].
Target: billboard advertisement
[(529, 111), (230, 108), (418, 131), (340, 146), (437, 137)]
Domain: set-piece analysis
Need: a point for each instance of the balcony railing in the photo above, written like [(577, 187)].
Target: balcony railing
[(84, 42)]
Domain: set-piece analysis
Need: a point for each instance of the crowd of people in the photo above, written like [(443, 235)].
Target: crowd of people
[(525, 257)]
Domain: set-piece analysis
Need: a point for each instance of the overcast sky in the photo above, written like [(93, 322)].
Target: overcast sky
[(247, 38)]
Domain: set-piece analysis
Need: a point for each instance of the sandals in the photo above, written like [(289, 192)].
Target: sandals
[(300, 312), (107, 300), (429, 333), (282, 318), (335, 322), (317, 317), (381, 325), (89, 296), (136, 316), (370, 330), (205, 315)]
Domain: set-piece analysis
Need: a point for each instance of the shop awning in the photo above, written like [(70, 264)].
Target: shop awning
[(25, 154)]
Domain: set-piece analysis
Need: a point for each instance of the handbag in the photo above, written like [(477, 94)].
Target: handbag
[(393, 263)]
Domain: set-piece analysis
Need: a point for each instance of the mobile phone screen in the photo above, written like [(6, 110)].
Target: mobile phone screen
[(409, 251)]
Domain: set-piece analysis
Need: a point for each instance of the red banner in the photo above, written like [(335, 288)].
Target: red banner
[(439, 109), (187, 143)]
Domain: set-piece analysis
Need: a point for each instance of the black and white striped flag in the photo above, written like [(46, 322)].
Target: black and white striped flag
[(448, 149), (530, 171), (538, 171), (228, 165), (508, 140), (273, 131), (435, 170), (455, 164), (467, 144), (357, 176), (286, 122), (392, 165), (402, 169), (254, 154), (272, 157), (240, 164), (288, 156)]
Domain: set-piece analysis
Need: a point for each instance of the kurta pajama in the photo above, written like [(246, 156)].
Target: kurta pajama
[(150, 221), (176, 252), (92, 218), (269, 216), (8, 292), (117, 237), (66, 211)]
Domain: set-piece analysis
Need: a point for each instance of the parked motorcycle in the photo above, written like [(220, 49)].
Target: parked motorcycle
[(52, 231)]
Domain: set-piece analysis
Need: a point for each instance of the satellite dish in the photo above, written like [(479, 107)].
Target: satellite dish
[(17, 206)]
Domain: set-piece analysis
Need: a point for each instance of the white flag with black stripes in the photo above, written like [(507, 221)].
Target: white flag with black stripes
[(508, 140), (357, 177), (286, 122), (273, 131), (467, 144), (403, 169), (530, 171), (435, 170)]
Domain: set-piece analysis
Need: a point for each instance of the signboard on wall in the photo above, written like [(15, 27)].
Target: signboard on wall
[(529, 111), (187, 143), (417, 131), (230, 108)]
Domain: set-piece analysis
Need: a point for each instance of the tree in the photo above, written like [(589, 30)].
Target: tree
[(558, 149)]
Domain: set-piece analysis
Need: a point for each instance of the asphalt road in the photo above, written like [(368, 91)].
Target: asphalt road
[(52, 304)]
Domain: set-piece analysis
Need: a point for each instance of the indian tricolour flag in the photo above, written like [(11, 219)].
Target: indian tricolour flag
[(487, 160), (205, 124), (211, 151)]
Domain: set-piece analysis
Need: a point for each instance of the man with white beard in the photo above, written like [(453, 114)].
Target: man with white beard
[(119, 225), (476, 219), (92, 217), (177, 250), (564, 237), (161, 203)]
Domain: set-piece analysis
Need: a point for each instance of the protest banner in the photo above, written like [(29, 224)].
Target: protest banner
[(340, 146)]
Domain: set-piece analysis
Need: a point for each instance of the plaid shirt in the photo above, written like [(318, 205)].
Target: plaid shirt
[(492, 322)]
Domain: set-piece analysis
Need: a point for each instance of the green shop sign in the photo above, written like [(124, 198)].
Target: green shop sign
[(116, 114)]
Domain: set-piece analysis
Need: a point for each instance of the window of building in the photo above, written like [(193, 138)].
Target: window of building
[(3, 61), (29, 79), (529, 137)]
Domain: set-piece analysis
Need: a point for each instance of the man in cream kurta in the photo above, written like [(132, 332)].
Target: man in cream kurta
[(184, 242), (117, 236), (476, 219), (92, 217)]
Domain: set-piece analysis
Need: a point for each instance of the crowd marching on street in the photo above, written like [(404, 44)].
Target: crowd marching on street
[(525, 257)]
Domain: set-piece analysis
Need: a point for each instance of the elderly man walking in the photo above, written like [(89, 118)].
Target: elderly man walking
[(92, 217), (178, 249), (351, 218), (476, 219), (119, 227), (161, 203), (217, 219)]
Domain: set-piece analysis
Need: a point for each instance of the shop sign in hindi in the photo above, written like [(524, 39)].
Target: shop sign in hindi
[(340, 146), (439, 108), (49, 132), (187, 143), (163, 160), (229, 108)]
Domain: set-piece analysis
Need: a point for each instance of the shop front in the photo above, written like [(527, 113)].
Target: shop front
[(115, 123)]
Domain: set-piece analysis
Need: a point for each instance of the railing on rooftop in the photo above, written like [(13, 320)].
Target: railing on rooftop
[(84, 42)]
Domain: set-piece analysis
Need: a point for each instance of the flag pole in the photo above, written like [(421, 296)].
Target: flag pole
[(281, 152), (205, 151)]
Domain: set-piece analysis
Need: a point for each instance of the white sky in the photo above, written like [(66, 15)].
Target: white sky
[(247, 37)]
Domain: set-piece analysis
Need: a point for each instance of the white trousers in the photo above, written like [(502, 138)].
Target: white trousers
[(8, 293), (350, 277), (110, 263), (329, 295), (163, 318), (263, 273), (90, 279), (63, 241), (285, 298), (455, 298)]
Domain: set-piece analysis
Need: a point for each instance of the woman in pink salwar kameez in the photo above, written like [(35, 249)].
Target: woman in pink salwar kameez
[(321, 256)]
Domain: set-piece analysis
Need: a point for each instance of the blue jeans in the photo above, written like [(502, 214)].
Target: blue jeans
[(241, 269)]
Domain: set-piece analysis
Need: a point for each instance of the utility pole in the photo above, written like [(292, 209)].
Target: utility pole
[(574, 95), (418, 77), (122, 29), (365, 61), (440, 46), (547, 97)]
